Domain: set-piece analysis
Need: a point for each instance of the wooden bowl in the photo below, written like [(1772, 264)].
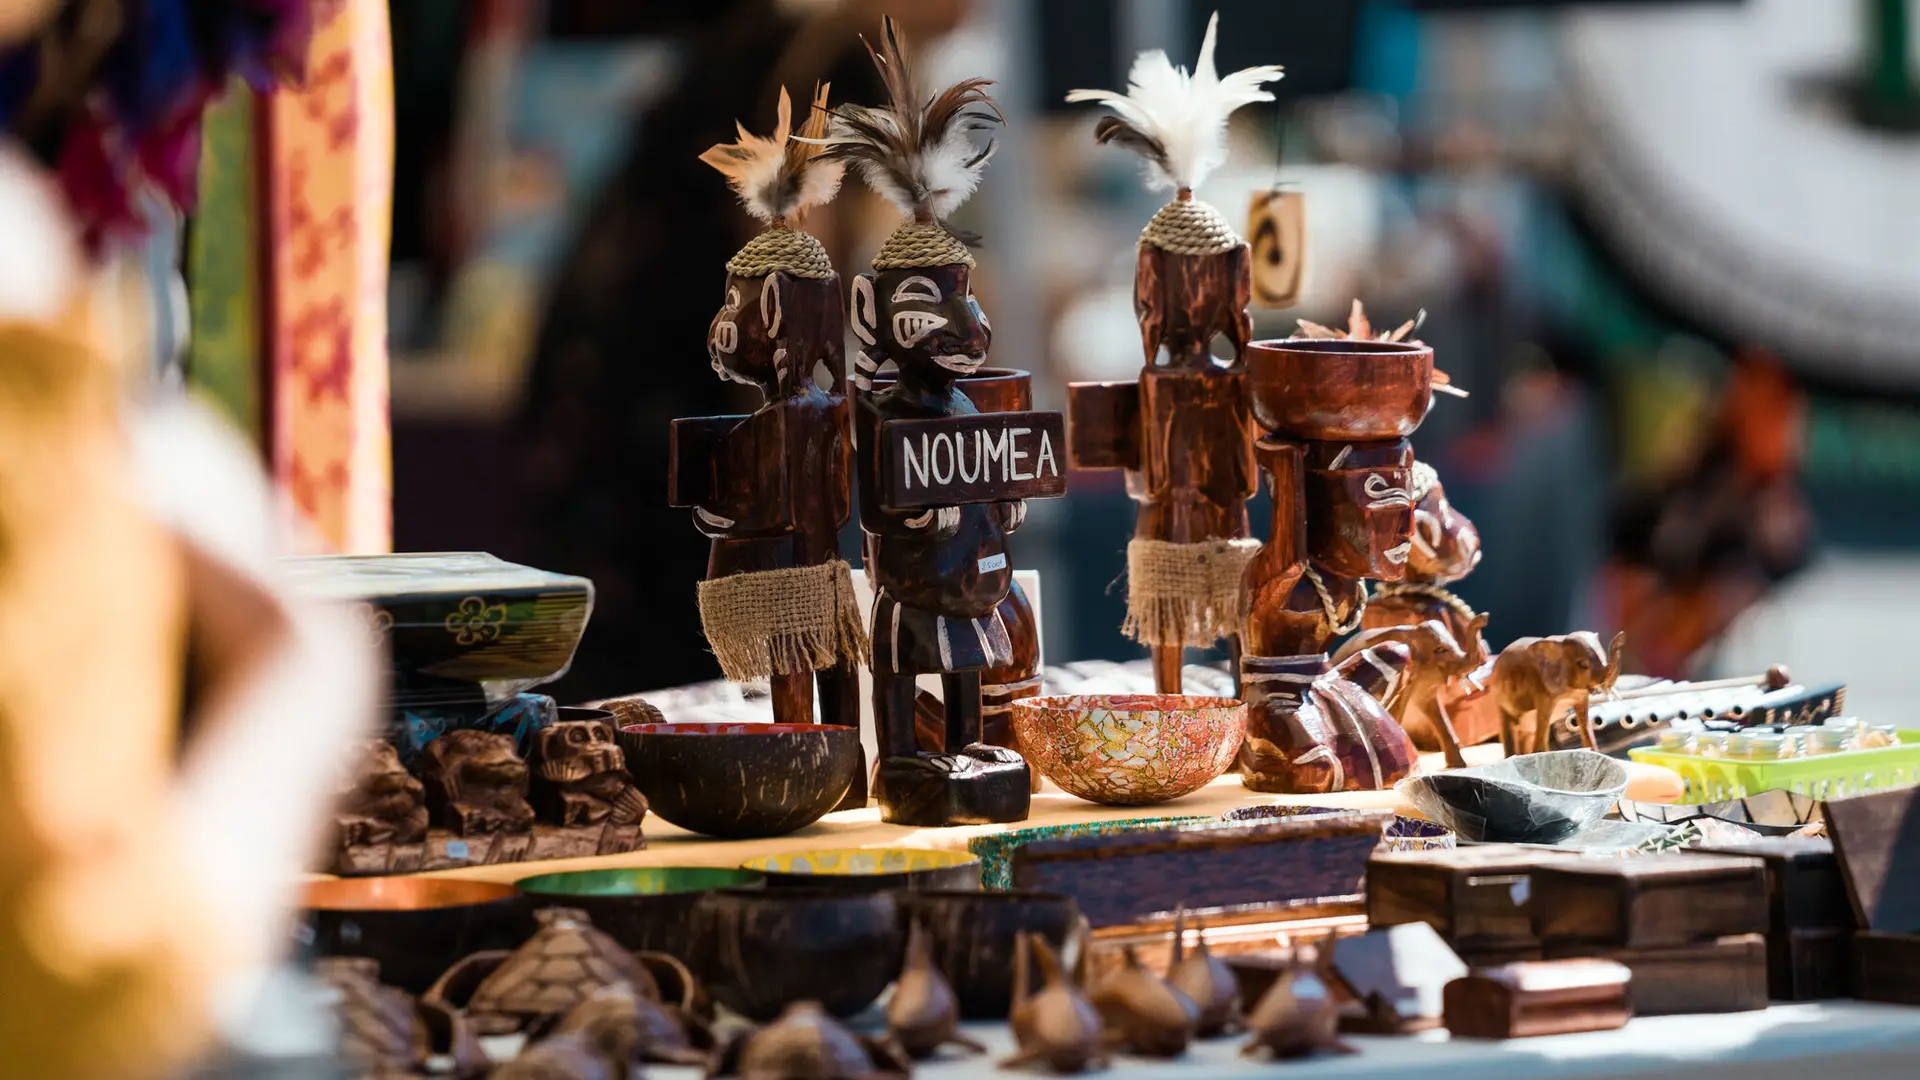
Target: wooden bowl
[(1130, 749), (869, 869), (415, 926), (973, 938), (760, 950), (646, 909), (741, 780), (1332, 389)]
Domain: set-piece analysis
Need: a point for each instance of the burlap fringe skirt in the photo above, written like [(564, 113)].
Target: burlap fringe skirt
[(1186, 594), (772, 622)]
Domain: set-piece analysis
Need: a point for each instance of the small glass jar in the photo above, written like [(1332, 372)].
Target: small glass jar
[(1676, 742), (1763, 746), (1879, 735), (1829, 740), (1710, 744)]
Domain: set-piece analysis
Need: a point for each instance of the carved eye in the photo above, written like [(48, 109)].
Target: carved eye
[(770, 305), (865, 316), (912, 327), (576, 736), (917, 288)]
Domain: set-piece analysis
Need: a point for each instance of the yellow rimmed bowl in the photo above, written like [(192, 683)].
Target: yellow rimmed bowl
[(869, 869)]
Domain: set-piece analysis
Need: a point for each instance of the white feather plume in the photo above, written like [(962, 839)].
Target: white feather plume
[(1177, 121)]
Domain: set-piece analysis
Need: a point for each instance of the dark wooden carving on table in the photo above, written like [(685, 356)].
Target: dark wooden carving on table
[(940, 572), (1314, 727), (1142, 1012), (1670, 899), (1298, 1015), (1436, 662), (924, 1014), (1204, 978), (1397, 975), (385, 1032), (1876, 838), (772, 489)]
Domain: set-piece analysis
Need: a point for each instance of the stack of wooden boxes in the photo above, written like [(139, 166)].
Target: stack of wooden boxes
[(1692, 928), (1810, 922), (1475, 897)]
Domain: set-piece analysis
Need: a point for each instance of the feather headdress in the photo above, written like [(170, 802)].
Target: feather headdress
[(917, 151), (1177, 121), (777, 177)]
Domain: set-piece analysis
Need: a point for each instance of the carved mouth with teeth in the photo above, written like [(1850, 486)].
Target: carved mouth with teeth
[(912, 327), (965, 365)]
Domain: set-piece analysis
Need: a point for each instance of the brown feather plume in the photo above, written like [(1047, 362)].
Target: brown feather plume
[(780, 176)]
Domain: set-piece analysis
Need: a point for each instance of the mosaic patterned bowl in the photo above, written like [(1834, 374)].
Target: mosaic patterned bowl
[(1130, 749), (869, 869)]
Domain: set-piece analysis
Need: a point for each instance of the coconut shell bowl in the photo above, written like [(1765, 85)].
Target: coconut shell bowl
[(760, 950), (738, 781), (1335, 389), (869, 869), (1130, 749), (415, 927), (646, 909), (973, 937)]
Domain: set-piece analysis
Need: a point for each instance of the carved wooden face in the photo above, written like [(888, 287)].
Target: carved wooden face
[(577, 749), (1360, 508), (925, 319), (1446, 546), (482, 761), (1184, 301), (744, 341)]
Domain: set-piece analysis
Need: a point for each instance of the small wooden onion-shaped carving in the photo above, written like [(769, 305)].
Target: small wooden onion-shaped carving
[(1056, 1025), (562, 1057), (806, 1042), (1298, 1016), (1204, 978), (924, 1015), (1143, 1013)]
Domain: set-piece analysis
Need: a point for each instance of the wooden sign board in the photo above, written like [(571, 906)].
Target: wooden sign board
[(982, 458)]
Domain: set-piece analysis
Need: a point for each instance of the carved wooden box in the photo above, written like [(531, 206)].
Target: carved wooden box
[(1810, 965), (1550, 997), (1476, 897), (1650, 900), (1722, 975), (1804, 887)]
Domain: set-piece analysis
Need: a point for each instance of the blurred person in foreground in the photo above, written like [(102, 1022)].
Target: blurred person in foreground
[(171, 722)]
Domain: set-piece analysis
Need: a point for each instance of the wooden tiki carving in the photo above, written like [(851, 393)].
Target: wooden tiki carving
[(1183, 430), (772, 489)]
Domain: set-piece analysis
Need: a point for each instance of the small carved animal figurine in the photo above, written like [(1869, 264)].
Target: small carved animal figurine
[(1538, 679), (1143, 1013), (1056, 1026), (564, 962), (584, 775), (1204, 978), (561, 1057), (383, 1031), (1298, 1016), (923, 1014), (630, 1028), (382, 803), (1436, 659), (807, 1044), (476, 783)]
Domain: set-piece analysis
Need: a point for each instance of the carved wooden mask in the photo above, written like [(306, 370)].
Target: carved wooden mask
[(924, 319), (1360, 508), (771, 330)]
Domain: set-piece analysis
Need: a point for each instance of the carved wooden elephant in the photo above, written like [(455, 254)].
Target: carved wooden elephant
[(1436, 658), (1536, 680)]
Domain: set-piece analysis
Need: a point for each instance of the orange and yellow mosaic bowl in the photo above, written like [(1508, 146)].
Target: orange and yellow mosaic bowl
[(1130, 749)]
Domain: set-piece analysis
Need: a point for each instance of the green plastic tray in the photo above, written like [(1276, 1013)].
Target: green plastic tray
[(1823, 776)]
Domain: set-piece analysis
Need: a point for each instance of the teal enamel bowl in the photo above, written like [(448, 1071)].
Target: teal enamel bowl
[(646, 908)]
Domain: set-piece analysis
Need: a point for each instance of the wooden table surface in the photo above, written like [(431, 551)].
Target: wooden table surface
[(669, 845)]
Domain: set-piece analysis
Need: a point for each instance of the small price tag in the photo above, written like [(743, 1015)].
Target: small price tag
[(1277, 232), (993, 562), (457, 849)]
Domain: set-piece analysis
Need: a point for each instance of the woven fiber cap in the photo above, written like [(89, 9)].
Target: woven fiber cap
[(921, 243), (781, 248), (1190, 227), (1424, 477)]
